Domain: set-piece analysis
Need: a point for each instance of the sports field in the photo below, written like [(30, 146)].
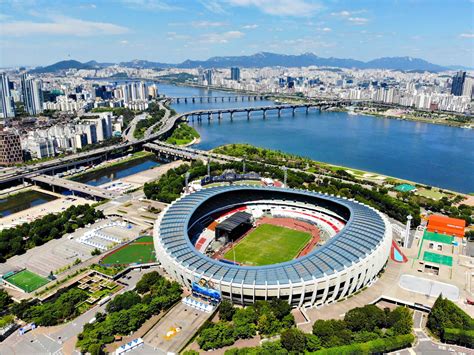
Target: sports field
[(269, 244), (27, 280), (140, 251)]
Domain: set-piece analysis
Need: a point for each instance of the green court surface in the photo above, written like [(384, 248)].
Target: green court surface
[(140, 251), (439, 238), (405, 188), (268, 244), (26, 280), (437, 258)]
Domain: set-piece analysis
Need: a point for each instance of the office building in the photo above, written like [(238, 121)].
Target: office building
[(7, 105), (32, 95), (10, 148), (209, 76), (458, 83), (235, 73)]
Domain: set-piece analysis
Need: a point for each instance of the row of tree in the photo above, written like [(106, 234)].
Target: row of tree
[(183, 134), (450, 323), (266, 318), (367, 329), (128, 311), (62, 308), (17, 240)]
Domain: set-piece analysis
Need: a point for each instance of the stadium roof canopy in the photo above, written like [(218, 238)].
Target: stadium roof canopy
[(234, 221), (363, 233)]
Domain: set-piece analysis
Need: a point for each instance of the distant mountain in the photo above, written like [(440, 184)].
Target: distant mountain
[(260, 60), (145, 64), (403, 63), (62, 65)]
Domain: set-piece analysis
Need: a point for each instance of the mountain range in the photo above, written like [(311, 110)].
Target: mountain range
[(260, 60)]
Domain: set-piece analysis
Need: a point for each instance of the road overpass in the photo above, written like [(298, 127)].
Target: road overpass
[(73, 186)]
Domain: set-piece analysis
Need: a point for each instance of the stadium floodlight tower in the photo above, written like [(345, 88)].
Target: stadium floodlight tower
[(407, 230), (285, 171), (186, 176), (209, 167), (243, 162)]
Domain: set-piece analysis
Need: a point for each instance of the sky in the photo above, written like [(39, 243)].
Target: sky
[(37, 32)]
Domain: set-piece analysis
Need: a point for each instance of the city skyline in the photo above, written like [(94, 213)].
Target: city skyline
[(171, 32)]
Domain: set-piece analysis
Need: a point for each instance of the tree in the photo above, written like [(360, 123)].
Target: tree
[(226, 310), (293, 339), (313, 343), (123, 301), (280, 308), (365, 318), (401, 320), (332, 332), (5, 299), (95, 252), (268, 324), (216, 336)]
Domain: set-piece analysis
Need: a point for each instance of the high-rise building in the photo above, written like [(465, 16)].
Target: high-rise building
[(32, 95), (458, 83), (209, 76), (10, 148), (235, 73), (467, 87), (7, 105)]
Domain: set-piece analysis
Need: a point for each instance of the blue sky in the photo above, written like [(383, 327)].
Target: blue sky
[(36, 32)]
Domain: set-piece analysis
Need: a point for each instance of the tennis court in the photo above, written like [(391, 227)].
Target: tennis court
[(439, 238), (438, 258), (26, 280)]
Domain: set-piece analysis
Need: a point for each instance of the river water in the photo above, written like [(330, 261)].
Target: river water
[(22, 201), (436, 155)]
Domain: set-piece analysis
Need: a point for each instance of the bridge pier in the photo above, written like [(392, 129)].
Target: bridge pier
[(199, 118), (279, 112), (209, 116), (242, 99), (177, 100), (219, 116), (200, 99), (228, 99), (248, 114), (215, 99), (208, 99), (307, 109), (294, 109), (222, 98), (236, 99), (185, 100), (194, 100), (264, 113), (232, 115)]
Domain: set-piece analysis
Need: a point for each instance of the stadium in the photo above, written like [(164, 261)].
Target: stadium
[(252, 243)]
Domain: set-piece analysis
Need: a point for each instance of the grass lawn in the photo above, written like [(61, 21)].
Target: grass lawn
[(27, 280), (433, 193), (139, 251), (269, 244)]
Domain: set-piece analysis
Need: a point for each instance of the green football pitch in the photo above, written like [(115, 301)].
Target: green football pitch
[(27, 280), (268, 244), (140, 251)]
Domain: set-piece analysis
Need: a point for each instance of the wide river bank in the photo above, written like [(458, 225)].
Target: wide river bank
[(431, 154)]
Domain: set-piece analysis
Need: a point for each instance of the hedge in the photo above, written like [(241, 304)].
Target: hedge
[(382, 345), (458, 336)]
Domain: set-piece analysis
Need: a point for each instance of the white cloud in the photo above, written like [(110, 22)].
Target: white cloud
[(466, 35), (347, 13), (326, 29), (358, 20), (173, 36), (281, 7), (61, 25), (221, 38), (207, 24), (250, 27), (152, 5), (124, 41), (213, 6)]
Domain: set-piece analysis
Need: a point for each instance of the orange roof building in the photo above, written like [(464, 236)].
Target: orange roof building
[(446, 225)]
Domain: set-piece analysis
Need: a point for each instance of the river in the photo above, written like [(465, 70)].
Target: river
[(436, 155), (22, 201)]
